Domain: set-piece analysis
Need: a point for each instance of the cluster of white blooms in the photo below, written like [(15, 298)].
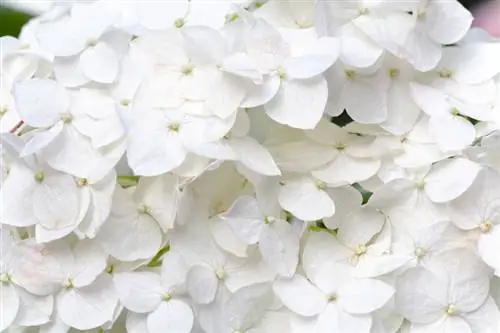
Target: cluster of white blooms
[(236, 166)]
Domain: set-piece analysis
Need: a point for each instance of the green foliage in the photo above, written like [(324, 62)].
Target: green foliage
[(11, 21)]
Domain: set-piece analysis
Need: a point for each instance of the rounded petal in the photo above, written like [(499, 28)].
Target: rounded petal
[(260, 94), (300, 296), (56, 201), (173, 316), (9, 305), (363, 296), (305, 200), (279, 246), (245, 219), (254, 156), (41, 268), (100, 63), (90, 261), (299, 103), (16, 195), (202, 284), (416, 287), (447, 21), (139, 292), (452, 133), (450, 178), (40, 102), (34, 310), (90, 306), (130, 238)]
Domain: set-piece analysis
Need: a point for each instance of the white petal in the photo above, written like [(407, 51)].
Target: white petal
[(100, 63), (360, 226), (139, 292), (345, 169), (301, 156), (364, 102), (416, 287), (136, 323), (9, 305), (432, 101), (41, 268), (132, 236), (226, 238), (202, 283), (346, 200), (358, 51), (488, 246), (161, 195), (299, 103), (88, 307), (204, 45), (452, 133), (34, 310), (159, 16), (240, 64), (478, 203), (465, 272), (90, 261), (16, 196), (173, 316), (353, 323), (305, 200), (56, 201), (450, 178), (73, 153), (245, 219), (137, 238), (40, 102), (55, 326), (300, 296), (260, 94), (226, 96), (485, 319), (254, 156), (447, 21), (365, 295), (152, 150), (247, 272), (279, 246), (307, 66), (41, 140), (446, 324)]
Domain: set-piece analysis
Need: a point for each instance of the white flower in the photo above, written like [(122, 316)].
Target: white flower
[(278, 242), (430, 24), (341, 302), (351, 161), (239, 146), (35, 194), (88, 298), (361, 244), (77, 133), (443, 298), (478, 208), (138, 215), (158, 296), (85, 52), (295, 81), (250, 166)]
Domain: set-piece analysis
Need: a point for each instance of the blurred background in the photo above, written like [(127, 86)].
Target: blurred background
[(15, 13)]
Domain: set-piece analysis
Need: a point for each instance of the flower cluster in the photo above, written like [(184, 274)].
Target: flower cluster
[(240, 166)]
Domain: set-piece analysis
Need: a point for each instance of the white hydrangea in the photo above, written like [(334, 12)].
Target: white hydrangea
[(250, 166)]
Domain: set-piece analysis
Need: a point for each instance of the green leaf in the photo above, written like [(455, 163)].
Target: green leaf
[(156, 261), (12, 21)]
